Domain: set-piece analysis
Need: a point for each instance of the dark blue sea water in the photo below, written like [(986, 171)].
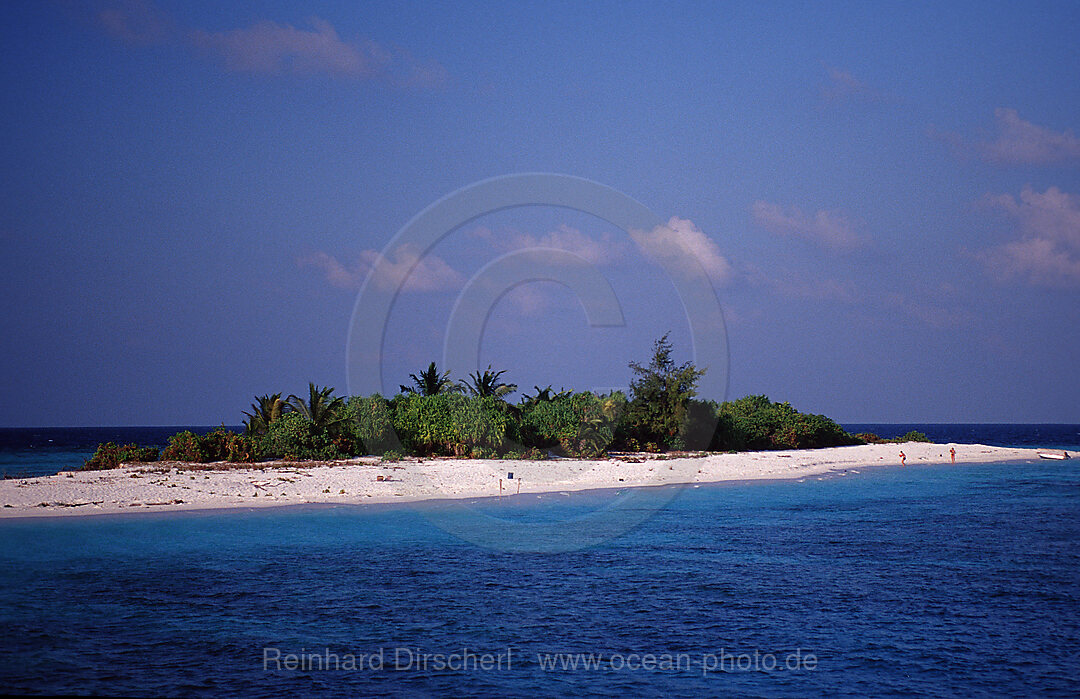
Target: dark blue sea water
[(946, 581), (1052, 436), (44, 451)]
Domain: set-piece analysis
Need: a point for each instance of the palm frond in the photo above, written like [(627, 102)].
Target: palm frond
[(430, 382), (488, 383)]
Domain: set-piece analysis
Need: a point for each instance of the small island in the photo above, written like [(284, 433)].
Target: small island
[(440, 439)]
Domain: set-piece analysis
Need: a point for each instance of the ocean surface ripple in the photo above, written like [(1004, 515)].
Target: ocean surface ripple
[(930, 580)]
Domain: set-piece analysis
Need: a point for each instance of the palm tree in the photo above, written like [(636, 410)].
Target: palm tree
[(322, 408), (544, 395), (488, 384), (264, 410), (430, 383)]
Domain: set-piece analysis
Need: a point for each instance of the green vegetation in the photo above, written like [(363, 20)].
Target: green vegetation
[(373, 424), (218, 445), (450, 424), (662, 390), (322, 409), (754, 423), (109, 455), (489, 384), (431, 383), (871, 438), (264, 410), (437, 417), (574, 424)]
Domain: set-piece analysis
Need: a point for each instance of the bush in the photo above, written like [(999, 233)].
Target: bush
[(241, 448), (366, 426), (109, 455), (422, 423), (579, 424), (185, 446), (215, 445), (912, 436), (218, 445), (661, 391), (533, 454), (478, 423), (817, 431), (755, 423), (292, 436), (544, 424), (450, 423), (345, 434), (699, 429), (377, 426)]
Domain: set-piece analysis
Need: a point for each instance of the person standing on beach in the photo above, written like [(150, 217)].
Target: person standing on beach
[(903, 459), (952, 454)]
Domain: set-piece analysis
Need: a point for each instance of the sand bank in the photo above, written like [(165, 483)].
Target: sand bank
[(166, 486)]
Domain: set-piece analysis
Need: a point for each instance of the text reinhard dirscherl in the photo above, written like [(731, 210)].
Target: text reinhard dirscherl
[(405, 659)]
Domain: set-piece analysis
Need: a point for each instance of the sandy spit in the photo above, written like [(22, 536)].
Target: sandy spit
[(167, 486)]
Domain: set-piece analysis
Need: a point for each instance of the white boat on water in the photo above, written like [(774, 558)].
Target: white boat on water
[(1059, 455)]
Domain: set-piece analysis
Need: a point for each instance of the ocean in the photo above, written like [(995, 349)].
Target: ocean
[(935, 580)]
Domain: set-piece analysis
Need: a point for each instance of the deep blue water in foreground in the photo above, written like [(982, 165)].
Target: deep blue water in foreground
[(935, 580)]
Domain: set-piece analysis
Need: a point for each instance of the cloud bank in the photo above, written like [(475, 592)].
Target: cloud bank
[(270, 48), (1015, 141), (599, 250), (1020, 142), (1048, 250), (134, 22), (845, 87), (679, 243), (404, 268), (828, 228)]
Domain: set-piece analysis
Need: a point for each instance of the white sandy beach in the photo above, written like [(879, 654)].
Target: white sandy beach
[(161, 487)]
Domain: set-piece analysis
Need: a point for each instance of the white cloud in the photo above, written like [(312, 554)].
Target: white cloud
[(529, 300), (404, 269), (1054, 214), (1037, 260), (830, 228), (843, 86), (336, 273), (1014, 142), (135, 22), (269, 47), (1048, 251), (1020, 142), (603, 249), (678, 243)]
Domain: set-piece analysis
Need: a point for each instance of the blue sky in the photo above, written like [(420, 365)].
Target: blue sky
[(886, 197)]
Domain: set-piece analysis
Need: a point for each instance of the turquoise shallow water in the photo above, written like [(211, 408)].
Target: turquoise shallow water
[(937, 580)]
